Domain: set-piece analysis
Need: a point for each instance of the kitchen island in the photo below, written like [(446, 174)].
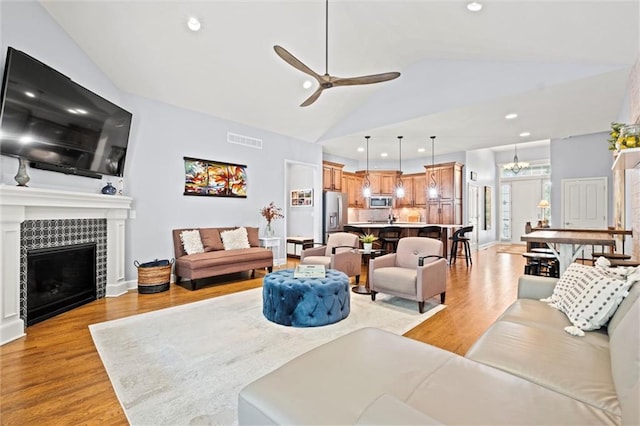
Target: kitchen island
[(409, 229)]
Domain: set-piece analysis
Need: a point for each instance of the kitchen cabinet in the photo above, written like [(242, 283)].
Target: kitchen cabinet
[(414, 191), (332, 176), (446, 207), (383, 182), (352, 185)]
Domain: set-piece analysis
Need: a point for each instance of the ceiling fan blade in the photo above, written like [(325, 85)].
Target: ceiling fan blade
[(311, 99), (295, 62), (367, 79)]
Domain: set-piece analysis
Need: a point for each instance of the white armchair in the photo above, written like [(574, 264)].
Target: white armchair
[(416, 271), (340, 253)]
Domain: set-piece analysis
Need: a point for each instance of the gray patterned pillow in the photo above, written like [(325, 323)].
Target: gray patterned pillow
[(590, 296)]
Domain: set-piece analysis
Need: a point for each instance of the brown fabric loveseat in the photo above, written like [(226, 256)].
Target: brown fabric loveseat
[(215, 260)]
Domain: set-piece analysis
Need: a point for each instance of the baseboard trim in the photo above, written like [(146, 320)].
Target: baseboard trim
[(115, 290)]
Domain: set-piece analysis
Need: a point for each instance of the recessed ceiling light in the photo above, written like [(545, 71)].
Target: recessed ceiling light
[(474, 6), (511, 116), (307, 84), (384, 154), (30, 94), (525, 134), (360, 149), (194, 24), (421, 149)]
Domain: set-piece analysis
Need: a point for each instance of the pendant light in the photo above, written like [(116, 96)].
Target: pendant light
[(399, 184), (366, 183), (516, 166), (433, 185)]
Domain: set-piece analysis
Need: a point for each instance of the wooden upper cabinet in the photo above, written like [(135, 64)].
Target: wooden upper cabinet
[(332, 176), (446, 208), (414, 191), (382, 182), (352, 185)]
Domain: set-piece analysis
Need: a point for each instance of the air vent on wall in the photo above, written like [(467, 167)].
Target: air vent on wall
[(244, 140)]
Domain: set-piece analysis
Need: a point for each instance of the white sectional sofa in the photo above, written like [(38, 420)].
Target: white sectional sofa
[(524, 370)]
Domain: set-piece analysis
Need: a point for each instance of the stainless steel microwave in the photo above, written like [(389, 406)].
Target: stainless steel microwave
[(380, 201)]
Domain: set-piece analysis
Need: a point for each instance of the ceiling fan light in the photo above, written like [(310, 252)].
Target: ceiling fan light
[(194, 24), (474, 6)]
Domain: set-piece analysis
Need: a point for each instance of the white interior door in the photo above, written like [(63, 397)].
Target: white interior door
[(584, 203), (525, 196), (473, 197)]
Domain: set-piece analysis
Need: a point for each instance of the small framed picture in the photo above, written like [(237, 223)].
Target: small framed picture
[(302, 198)]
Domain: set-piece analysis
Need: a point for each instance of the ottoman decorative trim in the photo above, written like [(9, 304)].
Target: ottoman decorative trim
[(305, 302)]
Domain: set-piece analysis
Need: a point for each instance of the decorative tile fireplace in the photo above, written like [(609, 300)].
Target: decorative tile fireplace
[(35, 219)]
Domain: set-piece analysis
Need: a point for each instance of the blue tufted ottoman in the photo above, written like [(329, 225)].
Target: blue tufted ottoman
[(305, 302)]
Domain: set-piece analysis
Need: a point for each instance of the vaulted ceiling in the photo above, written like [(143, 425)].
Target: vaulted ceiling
[(562, 66)]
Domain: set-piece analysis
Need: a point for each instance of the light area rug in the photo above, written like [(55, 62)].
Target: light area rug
[(512, 248), (186, 365)]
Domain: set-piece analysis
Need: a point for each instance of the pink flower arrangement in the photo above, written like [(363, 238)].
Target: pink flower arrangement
[(271, 212)]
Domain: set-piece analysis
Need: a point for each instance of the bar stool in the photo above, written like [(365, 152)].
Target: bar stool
[(389, 237), (430, 232), (541, 264), (458, 237)]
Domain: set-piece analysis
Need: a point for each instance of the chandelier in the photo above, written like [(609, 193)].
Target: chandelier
[(517, 165), (399, 184), (366, 183)]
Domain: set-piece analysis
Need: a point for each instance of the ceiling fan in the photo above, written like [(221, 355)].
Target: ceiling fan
[(327, 81)]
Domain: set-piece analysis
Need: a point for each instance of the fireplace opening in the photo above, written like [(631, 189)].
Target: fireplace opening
[(59, 279)]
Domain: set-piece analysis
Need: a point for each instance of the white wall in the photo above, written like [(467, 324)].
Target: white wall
[(161, 135), (580, 157), (483, 163)]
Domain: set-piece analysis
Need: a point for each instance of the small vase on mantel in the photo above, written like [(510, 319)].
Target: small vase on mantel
[(22, 177)]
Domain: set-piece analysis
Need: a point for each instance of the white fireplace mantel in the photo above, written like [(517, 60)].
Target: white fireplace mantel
[(18, 204)]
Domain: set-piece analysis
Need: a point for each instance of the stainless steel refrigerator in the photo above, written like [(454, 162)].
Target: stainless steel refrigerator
[(335, 214)]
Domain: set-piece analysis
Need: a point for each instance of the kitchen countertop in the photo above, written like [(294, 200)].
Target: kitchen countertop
[(377, 225)]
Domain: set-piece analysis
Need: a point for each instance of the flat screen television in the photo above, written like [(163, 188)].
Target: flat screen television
[(57, 124)]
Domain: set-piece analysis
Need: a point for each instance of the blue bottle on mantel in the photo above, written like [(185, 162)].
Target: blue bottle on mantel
[(109, 189)]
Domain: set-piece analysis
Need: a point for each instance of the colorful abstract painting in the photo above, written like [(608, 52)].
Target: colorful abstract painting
[(212, 178)]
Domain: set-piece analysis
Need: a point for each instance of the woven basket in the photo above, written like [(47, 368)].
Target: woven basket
[(153, 279)]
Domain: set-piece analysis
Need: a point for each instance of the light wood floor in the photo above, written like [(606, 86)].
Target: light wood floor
[(54, 375)]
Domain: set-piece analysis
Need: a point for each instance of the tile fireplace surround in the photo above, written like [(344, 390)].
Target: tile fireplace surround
[(18, 204)]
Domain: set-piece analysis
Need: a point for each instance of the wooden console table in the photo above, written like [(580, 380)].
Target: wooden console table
[(569, 242)]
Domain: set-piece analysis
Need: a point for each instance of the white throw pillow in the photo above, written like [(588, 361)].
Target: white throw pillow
[(235, 239), (191, 241), (567, 281), (589, 296)]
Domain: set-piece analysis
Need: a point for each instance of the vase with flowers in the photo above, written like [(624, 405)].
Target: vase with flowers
[(271, 213)]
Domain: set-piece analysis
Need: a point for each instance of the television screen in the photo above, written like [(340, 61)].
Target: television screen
[(57, 124)]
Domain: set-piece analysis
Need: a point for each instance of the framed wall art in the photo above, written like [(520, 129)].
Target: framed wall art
[(214, 178), (302, 198), (487, 207)]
